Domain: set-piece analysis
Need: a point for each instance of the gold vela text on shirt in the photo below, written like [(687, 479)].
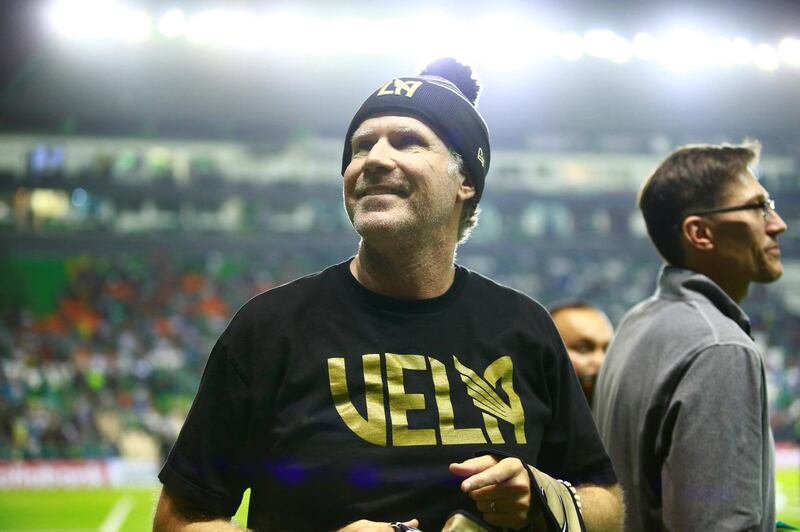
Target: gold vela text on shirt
[(480, 388)]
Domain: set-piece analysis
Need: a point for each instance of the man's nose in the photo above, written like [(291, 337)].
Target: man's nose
[(775, 224), (597, 358), (379, 155)]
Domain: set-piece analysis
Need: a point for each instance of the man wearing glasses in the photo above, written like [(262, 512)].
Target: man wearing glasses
[(681, 401)]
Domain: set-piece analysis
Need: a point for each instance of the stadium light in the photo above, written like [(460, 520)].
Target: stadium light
[(134, 26), (743, 51), (509, 39), (570, 46), (789, 51), (644, 46), (208, 27), (684, 50), (99, 19), (514, 41), (724, 52), (766, 57), (172, 24), (606, 44)]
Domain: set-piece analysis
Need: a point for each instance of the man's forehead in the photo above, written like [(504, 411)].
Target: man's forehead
[(392, 123), (579, 317), (746, 187)]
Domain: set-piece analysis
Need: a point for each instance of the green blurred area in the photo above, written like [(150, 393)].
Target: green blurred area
[(32, 283), (82, 509), (36, 283), (75, 509), (788, 487)]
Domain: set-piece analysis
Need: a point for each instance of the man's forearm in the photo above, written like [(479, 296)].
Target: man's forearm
[(603, 508), (217, 525), (175, 515)]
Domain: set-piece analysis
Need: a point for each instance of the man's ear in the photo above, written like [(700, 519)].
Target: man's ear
[(697, 233), (466, 190)]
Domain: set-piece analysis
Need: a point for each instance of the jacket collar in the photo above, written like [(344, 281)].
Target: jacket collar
[(681, 283)]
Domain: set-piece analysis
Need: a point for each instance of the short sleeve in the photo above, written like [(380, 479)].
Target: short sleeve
[(713, 472), (207, 463)]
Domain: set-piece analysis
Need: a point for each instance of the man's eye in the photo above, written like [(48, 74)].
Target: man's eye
[(408, 140), (362, 146), (583, 348)]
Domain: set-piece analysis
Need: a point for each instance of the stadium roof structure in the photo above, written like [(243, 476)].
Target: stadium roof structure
[(170, 83)]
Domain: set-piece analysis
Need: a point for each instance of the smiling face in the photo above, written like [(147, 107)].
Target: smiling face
[(399, 183), (745, 244)]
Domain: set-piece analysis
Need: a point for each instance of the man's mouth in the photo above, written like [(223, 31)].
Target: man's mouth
[(382, 190)]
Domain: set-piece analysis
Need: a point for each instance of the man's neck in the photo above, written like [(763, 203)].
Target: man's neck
[(735, 288), (405, 272)]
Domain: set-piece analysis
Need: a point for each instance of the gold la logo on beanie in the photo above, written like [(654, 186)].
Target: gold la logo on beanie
[(400, 87), (480, 157)]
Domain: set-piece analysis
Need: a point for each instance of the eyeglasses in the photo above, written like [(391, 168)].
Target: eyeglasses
[(767, 206)]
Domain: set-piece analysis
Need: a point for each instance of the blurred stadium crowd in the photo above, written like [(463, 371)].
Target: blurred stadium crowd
[(105, 326), (113, 369)]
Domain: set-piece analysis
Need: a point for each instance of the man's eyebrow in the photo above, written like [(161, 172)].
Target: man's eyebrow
[(407, 130), (368, 131), (760, 197), (360, 133)]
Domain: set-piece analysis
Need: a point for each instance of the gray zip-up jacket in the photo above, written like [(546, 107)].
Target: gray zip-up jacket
[(681, 406)]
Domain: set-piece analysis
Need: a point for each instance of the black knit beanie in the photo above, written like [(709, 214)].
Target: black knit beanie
[(436, 97)]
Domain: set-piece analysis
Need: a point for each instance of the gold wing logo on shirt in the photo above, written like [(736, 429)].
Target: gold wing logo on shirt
[(489, 401), (482, 393)]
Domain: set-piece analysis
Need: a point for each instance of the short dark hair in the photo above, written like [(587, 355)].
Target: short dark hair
[(692, 178)]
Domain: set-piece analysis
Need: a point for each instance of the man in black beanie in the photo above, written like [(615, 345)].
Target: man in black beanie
[(392, 389)]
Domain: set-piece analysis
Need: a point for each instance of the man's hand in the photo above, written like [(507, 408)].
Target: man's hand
[(501, 489), (371, 526)]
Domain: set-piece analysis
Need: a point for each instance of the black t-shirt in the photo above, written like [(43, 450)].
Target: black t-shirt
[(333, 403)]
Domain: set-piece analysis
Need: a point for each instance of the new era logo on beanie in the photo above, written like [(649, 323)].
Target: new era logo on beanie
[(444, 97)]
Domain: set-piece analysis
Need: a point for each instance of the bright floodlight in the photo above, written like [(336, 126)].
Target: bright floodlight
[(508, 40), (744, 51), (608, 45), (437, 36), (172, 23), (645, 47), (204, 27), (685, 50), (227, 29), (99, 19), (134, 26), (570, 46), (541, 43), (81, 19), (724, 52), (512, 41), (789, 51), (766, 57)]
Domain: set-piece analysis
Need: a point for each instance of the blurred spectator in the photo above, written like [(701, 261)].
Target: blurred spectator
[(586, 331)]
